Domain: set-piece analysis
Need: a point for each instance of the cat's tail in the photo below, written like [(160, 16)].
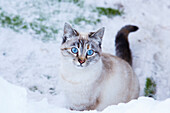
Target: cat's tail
[(122, 45)]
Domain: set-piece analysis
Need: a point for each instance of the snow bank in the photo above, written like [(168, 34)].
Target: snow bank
[(13, 99)]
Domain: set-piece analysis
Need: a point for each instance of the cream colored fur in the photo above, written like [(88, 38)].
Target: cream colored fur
[(108, 82)]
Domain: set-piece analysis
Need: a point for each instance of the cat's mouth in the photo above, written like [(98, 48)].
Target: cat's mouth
[(80, 66)]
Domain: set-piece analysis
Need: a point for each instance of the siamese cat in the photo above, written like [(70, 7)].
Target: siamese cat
[(91, 79)]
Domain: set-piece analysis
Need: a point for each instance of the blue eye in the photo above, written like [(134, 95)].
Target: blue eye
[(90, 52), (74, 50)]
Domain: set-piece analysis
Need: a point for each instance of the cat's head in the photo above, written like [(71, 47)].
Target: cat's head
[(81, 49)]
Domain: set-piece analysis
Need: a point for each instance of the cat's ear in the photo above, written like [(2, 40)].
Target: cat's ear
[(98, 35), (69, 32)]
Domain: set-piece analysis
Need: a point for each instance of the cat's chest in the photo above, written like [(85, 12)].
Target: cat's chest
[(84, 76), (79, 84), (83, 93), (81, 87)]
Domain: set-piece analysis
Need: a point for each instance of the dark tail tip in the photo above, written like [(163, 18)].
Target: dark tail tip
[(135, 28), (122, 45), (130, 28)]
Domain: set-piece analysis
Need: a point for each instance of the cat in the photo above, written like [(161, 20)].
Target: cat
[(91, 79)]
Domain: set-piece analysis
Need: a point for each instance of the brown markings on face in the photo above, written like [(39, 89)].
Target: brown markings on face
[(88, 46), (82, 43), (65, 48)]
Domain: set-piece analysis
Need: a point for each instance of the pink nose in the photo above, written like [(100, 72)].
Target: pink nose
[(81, 61)]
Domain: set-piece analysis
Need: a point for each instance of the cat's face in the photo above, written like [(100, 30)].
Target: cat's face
[(81, 49)]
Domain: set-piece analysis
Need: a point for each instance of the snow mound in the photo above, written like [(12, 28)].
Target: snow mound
[(14, 99)]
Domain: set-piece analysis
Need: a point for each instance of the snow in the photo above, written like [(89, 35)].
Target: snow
[(14, 99), (22, 58), (32, 64)]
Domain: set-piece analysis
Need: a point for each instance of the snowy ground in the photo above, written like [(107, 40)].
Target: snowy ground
[(33, 64), (15, 101)]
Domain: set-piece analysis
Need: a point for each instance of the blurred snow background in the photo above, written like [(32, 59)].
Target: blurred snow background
[(31, 30)]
